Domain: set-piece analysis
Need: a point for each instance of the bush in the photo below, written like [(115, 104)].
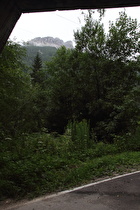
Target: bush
[(128, 142), (79, 133)]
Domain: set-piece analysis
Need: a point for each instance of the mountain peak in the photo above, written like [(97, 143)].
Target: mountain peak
[(49, 41)]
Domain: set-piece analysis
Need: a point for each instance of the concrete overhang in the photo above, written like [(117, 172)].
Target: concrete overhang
[(10, 10), (51, 5)]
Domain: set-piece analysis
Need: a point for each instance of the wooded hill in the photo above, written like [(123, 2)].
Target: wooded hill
[(46, 53)]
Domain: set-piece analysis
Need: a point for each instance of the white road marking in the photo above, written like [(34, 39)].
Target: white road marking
[(72, 190)]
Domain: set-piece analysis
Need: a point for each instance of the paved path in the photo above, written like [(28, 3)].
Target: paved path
[(118, 193)]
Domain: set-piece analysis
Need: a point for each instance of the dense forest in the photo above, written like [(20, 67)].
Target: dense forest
[(46, 53), (80, 105)]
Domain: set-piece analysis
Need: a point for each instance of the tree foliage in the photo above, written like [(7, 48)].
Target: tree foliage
[(14, 89), (100, 77), (36, 69), (98, 81), (91, 37), (123, 39)]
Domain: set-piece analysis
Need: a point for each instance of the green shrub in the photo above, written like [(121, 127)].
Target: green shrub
[(79, 133), (129, 141)]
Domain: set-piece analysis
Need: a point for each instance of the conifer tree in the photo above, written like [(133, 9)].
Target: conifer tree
[(36, 69)]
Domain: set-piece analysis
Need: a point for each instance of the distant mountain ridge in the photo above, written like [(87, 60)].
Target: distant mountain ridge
[(49, 41)]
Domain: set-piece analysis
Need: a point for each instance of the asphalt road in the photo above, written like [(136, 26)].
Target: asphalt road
[(118, 193)]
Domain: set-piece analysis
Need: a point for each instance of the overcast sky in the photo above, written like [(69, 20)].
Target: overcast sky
[(60, 24)]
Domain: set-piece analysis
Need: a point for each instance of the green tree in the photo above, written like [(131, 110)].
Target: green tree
[(15, 89), (91, 37), (59, 90), (36, 69), (98, 79), (123, 39), (40, 101), (113, 71)]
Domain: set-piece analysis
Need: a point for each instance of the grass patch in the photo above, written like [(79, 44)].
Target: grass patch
[(38, 164)]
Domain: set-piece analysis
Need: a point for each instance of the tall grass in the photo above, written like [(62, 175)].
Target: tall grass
[(80, 134)]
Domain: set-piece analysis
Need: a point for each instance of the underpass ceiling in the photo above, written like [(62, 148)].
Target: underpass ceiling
[(10, 10), (49, 5)]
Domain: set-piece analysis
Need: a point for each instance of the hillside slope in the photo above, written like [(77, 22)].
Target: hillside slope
[(46, 53)]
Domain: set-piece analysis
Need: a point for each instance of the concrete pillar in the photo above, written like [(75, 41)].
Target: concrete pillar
[(9, 14)]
